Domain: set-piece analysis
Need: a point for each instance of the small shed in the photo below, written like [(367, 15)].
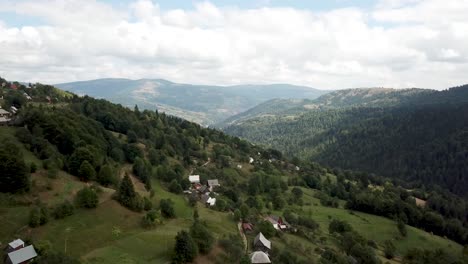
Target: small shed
[(15, 245), (261, 243), (23, 255), (259, 257)]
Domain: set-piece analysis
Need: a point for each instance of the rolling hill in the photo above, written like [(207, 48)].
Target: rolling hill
[(202, 104)]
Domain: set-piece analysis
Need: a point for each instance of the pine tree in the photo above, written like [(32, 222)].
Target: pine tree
[(126, 193), (185, 248)]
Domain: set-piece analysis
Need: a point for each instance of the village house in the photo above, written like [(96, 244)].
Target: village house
[(203, 189), (251, 160), (207, 200), (5, 116), (213, 184), (259, 257), (261, 243), (277, 222), (17, 253), (194, 179)]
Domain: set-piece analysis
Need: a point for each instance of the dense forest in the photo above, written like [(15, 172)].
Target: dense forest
[(92, 140), (423, 140)]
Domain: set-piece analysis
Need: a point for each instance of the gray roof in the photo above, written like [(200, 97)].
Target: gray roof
[(204, 198), (213, 182), (3, 111), (22, 255), (260, 237), (259, 257), (16, 243)]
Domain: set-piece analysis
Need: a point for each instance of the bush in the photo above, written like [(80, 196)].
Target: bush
[(167, 208), (63, 210), (147, 204), (33, 167), (86, 171), (339, 226), (86, 198), (266, 228), (105, 176), (175, 187), (151, 219), (389, 249), (38, 216)]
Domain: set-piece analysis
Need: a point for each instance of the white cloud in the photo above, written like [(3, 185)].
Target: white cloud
[(398, 43)]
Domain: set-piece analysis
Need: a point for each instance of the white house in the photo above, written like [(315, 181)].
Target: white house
[(194, 178), (251, 160)]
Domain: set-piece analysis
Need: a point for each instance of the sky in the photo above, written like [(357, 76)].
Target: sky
[(326, 44)]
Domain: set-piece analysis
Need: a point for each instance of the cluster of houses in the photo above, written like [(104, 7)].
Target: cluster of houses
[(203, 191), (261, 245), (6, 116), (18, 253)]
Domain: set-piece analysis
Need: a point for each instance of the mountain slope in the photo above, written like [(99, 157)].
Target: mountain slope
[(203, 104), (418, 135)]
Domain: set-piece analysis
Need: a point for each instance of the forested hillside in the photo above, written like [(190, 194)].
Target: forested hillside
[(422, 138), (89, 181)]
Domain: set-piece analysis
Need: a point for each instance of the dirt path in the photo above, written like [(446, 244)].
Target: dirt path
[(244, 238), (206, 163)]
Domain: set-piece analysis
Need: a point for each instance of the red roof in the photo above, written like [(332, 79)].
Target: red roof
[(247, 226), (13, 86)]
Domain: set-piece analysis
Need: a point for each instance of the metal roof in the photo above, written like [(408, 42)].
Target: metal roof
[(260, 237), (16, 243), (22, 255), (259, 257)]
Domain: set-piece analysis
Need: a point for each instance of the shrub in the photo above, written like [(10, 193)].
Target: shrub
[(38, 216), (167, 208), (63, 210), (86, 198), (389, 249)]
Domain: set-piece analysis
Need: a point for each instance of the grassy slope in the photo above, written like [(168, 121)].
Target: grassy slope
[(375, 228), (112, 234)]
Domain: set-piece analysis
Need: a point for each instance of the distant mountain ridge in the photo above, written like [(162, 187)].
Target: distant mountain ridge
[(368, 97), (204, 104)]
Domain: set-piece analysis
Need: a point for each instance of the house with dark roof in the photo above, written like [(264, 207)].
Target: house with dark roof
[(261, 243), (203, 189), (259, 257), (22, 255)]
